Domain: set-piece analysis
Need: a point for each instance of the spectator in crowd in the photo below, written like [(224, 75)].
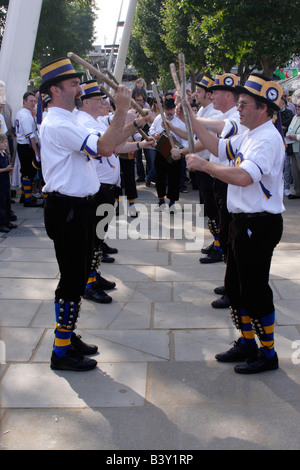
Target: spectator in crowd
[(27, 145), (293, 136), (6, 169), (286, 116)]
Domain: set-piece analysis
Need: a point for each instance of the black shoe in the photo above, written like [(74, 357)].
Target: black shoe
[(215, 256), (261, 363), (208, 249), (220, 290), (238, 353), (97, 295), (11, 226), (140, 179), (32, 203), (4, 229), (82, 347), (104, 284), (293, 196), (73, 361), (223, 302), (22, 199), (107, 259), (107, 249)]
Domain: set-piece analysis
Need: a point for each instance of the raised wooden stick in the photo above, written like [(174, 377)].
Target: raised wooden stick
[(140, 131), (167, 129), (103, 77), (111, 76), (184, 104), (175, 78)]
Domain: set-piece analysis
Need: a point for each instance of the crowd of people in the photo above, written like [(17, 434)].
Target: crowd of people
[(86, 150)]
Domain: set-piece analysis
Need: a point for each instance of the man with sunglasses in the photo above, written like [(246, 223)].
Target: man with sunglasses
[(254, 175)]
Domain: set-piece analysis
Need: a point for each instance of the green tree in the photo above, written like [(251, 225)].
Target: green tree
[(64, 26), (149, 34), (176, 22), (246, 33), (3, 12)]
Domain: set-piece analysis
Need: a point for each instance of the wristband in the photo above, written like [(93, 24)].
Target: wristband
[(136, 124)]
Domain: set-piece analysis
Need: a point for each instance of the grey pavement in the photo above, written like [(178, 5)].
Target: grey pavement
[(157, 385)]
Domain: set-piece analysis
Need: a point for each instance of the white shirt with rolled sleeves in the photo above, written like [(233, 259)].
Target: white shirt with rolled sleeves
[(261, 153), (26, 127), (107, 168), (209, 112), (232, 127), (67, 153)]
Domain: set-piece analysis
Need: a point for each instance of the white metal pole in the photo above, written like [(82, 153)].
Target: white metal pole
[(114, 41), (17, 48), (121, 60)]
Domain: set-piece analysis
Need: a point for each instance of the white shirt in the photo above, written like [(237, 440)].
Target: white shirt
[(294, 128), (209, 112), (26, 127), (107, 168), (232, 127), (67, 153), (3, 127), (156, 127), (261, 153)]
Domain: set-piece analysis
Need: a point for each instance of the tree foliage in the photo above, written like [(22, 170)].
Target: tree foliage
[(148, 33), (64, 26), (218, 35), (246, 33)]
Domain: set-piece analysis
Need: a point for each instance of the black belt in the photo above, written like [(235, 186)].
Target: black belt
[(85, 198), (108, 186), (250, 215)]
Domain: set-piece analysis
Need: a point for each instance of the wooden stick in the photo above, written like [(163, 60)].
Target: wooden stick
[(140, 131), (167, 129), (175, 78), (103, 77), (184, 104), (111, 76)]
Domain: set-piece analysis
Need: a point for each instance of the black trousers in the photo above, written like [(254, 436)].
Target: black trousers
[(250, 249), (106, 195), (5, 204), (224, 218), (205, 184), (167, 174), (26, 155), (127, 179), (70, 223)]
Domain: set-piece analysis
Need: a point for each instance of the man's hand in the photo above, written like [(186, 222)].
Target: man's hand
[(179, 112), (157, 135), (292, 137), (142, 120), (195, 163), (148, 143), (176, 153), (122, 97)]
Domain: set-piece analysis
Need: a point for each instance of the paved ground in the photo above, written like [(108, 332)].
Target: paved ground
[(157, 385)]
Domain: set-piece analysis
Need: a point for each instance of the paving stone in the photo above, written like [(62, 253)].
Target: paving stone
[(157, 385)]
